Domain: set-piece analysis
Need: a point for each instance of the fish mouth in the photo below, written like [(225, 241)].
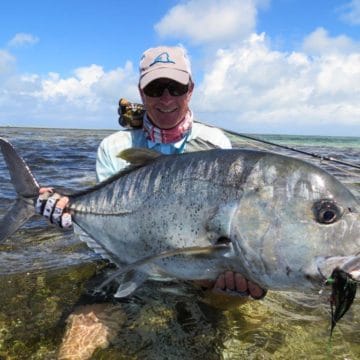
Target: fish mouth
[(348, 264), (342, 295), (343, 274)]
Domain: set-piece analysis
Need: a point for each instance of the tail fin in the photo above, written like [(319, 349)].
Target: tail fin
[(26, 187)]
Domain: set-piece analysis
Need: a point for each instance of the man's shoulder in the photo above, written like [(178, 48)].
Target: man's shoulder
[(122, 139), (118, 135), (210, 134), (108, 163)]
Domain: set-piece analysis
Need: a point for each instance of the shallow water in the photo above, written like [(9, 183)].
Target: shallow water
[(43, 273)]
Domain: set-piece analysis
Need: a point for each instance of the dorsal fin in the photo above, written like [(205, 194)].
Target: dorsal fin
[(138, 156)]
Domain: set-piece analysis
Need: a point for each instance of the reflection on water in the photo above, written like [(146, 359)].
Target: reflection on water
[(44, 272)]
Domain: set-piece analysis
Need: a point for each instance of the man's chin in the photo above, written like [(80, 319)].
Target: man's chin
[(167, 120)]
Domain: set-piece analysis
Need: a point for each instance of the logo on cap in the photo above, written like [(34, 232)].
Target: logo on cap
[(162, 58)]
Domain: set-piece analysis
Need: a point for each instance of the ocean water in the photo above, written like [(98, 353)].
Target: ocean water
[(44, 272)]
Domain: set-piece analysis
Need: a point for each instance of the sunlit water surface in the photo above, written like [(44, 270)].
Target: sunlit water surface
[(44, 272)]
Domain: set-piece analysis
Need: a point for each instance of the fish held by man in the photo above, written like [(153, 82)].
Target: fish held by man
[(283, 223)]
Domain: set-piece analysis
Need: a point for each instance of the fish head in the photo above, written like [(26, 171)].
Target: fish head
[(295, 224)]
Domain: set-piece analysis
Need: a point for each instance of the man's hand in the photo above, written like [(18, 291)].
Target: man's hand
[(53, 207), (234, 284)]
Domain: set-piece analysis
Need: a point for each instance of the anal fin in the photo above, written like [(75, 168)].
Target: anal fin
[(131, 281)]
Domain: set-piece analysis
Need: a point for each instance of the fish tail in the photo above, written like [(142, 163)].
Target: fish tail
[(27, 189)]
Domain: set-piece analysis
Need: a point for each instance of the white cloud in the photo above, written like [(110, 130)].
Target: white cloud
[(249, 88), (23, 39), (350, 12), (253, 87), (319, 42), (90, 86), (74, 88), (210, 21), (88, 98), (7, 61)]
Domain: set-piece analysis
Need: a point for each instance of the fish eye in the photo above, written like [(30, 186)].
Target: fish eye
[(327, 211)]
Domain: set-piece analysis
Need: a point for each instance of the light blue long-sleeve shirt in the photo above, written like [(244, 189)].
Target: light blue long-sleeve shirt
[(200, 138)]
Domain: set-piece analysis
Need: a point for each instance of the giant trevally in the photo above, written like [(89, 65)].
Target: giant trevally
[(283, 223)]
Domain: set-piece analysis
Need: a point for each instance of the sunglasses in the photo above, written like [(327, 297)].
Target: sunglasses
[(157, 88)]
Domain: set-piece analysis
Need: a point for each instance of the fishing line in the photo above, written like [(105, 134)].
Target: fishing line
[(131, 114), (351, 173), (319, 156)]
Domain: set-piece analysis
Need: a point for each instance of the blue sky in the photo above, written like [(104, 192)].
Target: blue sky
[(260, 66)]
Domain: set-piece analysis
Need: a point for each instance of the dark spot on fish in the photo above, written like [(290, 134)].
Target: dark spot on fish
[(288, 271)]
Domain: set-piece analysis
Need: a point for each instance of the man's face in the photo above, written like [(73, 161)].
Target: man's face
[(168, 109)]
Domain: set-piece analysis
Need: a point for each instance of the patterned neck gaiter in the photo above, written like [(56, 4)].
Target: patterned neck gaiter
[(167, 136)]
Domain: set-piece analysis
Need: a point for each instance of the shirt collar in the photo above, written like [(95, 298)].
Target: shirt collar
[(168, 149)]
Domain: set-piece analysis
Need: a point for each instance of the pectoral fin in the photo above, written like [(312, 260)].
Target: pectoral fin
[(133, 271)]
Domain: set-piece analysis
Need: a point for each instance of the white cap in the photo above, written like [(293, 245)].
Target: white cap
[(164, 62)]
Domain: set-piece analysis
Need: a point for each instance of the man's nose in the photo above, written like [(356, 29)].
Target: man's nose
[(166, 95)]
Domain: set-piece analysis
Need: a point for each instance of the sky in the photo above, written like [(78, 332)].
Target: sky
[(259, 66)]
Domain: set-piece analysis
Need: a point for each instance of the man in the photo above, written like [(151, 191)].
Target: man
[(166, 87)]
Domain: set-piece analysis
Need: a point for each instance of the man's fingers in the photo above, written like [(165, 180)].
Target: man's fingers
[(44, 190), (229, 280), (236, 285), (53, 207), (44, 194), (62, 203), (256, 291), (50, 205), (220, 283), (241, 283), (66, 221), (59, 217), (56, 216)]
